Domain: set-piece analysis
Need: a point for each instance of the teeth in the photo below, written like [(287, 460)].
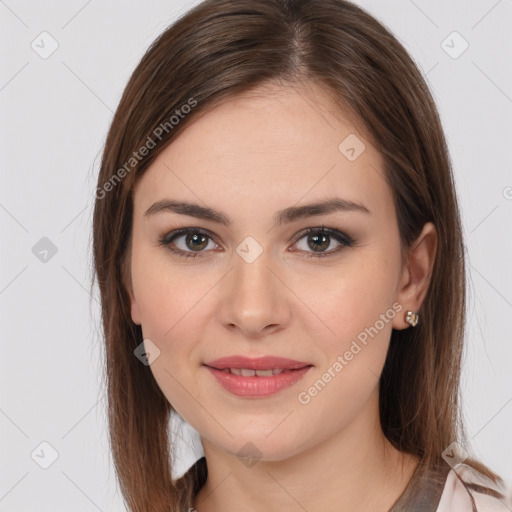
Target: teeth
[(264, 373), (245, 372)]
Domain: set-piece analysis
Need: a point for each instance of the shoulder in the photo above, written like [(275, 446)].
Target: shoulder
[(468, 490)]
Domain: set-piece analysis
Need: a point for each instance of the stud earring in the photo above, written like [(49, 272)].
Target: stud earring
[(412, 318)]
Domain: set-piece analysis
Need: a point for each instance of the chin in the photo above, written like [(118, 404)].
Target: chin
[(258, 445)]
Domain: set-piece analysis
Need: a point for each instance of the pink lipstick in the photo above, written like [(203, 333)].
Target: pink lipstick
[(257, 377)]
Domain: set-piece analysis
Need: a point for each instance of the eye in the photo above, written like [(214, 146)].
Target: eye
[(194, 241), (319, 239)]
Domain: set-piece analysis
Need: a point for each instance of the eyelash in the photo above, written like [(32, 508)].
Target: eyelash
[(342, 238)]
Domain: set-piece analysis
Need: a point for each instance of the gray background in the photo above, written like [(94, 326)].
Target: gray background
[(55, 113)]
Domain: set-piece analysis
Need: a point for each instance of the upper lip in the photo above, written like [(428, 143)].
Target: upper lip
[(257, 363)]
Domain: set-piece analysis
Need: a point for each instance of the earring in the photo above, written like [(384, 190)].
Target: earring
[(412, 318)]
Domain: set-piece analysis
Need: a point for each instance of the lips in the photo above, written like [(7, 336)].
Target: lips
[(257, 377), (249, 367)]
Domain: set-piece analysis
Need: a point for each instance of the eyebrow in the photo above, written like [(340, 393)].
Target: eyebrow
[(286, 216)]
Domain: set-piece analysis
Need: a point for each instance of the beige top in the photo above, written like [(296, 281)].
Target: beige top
[(458, 489), (444, 489)]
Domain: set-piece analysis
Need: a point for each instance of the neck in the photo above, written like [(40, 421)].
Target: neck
[(355, 470)]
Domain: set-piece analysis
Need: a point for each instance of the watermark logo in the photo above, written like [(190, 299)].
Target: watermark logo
[(454, 454), (249, 249), (44, 45), (249, 454), (351, 147), (147, 352), (454, 45), (44, 455), (44, 250)]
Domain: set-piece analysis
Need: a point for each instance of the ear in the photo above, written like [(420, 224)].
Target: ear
[(134, 309), (416, 273), (127, 281)]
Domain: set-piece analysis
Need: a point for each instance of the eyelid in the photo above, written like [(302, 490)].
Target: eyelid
[(341, 237), (335, 233), (176, 233), (344, 240)]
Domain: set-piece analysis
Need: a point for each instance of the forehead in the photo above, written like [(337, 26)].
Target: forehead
[(272, 144)]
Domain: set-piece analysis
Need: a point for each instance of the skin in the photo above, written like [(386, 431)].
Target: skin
[(249, 157)]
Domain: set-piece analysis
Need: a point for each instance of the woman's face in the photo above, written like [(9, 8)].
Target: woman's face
[(252, 282)]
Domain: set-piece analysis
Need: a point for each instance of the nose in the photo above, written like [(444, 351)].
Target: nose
[(255, 300)]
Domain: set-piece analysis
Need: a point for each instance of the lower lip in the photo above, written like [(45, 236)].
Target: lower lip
[(257, 386)]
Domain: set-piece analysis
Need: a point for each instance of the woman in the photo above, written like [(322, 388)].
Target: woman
[(278, 247)]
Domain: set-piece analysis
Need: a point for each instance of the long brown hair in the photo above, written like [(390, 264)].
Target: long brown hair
[(224, 47)]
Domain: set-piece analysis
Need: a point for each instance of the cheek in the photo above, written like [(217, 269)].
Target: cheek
[(168, 296), (358, 308), (350, 299), (174, 307), (173, 318)]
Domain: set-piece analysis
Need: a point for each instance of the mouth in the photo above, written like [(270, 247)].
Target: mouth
[(257, 364), (247, 372), (257, 377)]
